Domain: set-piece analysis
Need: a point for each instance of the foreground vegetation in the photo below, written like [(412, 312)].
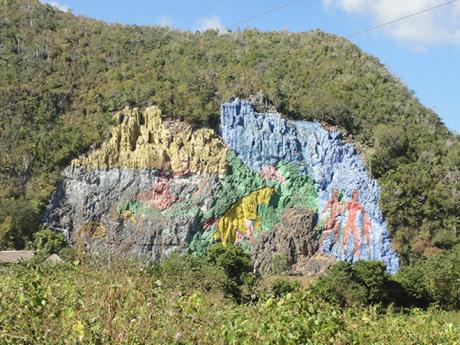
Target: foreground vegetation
[(209, 300), (63, 76)]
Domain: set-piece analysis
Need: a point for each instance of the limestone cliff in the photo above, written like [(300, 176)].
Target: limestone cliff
[(350, 219), (109, 209), (142, 140), (270, 185), (293, 237)]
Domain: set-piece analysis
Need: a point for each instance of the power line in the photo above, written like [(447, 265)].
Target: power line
[(401, 19), (264, 13)]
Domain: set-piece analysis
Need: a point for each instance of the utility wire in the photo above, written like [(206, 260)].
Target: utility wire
[(401, 19), (264, 13)]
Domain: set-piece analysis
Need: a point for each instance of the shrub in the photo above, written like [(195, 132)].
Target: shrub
[(362, 283), (235, 262), (69, 254), (238, 268), (279, 264), (18, 220), (411, 278), (281, 287), (46, 242), (196, 273), (445, 239), (434, 280), (128, 304)]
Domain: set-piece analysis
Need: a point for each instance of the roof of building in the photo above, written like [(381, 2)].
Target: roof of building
[(15, 256)]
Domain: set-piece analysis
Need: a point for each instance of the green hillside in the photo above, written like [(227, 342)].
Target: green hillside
[(63, 76)]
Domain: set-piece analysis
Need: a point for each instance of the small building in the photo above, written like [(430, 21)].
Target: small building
[(15, 256)]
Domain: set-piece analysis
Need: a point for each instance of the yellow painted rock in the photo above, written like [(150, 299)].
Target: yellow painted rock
[(142, 140)]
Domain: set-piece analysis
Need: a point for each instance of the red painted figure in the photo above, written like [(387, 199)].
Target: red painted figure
[(354, 207), (269, 172), (334, 206), (159, 196)]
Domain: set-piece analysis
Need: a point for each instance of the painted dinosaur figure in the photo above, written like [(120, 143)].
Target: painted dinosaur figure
[(242, 220), (354, 207)]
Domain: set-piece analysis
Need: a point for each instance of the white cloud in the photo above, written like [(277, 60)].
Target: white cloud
[(165, 22), (212, 23), (439, 26), (57, 5)]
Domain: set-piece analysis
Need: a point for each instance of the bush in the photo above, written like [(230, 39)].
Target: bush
[(281, 287), (196, 273), (279, 264), (69, 254), (391, 147), (445, 239), (235, 262), (434, 280), (130, 303), (46, 242), (359, 284), (18, 220), (238, 268)]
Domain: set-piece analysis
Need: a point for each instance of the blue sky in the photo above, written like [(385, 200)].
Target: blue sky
[(423, 51)]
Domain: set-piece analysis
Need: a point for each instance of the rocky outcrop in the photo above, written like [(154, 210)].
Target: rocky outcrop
[(142, 140), (108, 209), (314, 265), (270, 185), (247, 204), (144, 191), (293, 237), (351, 220)]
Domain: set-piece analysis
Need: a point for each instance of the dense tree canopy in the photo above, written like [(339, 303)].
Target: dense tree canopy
[(63, 76)]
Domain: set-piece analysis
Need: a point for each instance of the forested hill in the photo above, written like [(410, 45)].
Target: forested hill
[(63, 76)]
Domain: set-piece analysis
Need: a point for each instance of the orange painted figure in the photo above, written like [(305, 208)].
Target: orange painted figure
[(334, 206), (354, 207)]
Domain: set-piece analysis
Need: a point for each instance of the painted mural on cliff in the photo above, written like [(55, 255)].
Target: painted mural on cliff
[(161, 186), (349, 216)]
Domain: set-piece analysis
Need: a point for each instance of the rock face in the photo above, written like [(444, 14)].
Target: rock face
[(351, 220), (102, 209), (293, 236), (142, 140), (248, 204), (267, 184), (315, 265)]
